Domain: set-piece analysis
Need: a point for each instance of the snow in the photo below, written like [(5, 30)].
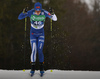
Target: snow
[(56, 74)]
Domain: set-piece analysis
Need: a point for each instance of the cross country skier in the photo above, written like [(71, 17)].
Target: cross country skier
[(37, 18)]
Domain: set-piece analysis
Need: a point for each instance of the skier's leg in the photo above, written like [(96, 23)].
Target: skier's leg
[(40, 48), (40, 51), (34, 50), (33, 42)]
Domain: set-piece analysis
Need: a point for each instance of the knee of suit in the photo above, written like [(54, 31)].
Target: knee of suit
[(32, 41), (41, 57), (40, 50), (40, 46)]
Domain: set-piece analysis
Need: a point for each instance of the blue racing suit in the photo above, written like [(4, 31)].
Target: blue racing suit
[(37, 31)]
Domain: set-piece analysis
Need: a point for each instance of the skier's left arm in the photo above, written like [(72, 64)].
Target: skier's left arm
[(54, 17), (51, 15)]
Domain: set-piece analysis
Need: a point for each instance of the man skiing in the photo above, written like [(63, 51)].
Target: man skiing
[(37, 17)]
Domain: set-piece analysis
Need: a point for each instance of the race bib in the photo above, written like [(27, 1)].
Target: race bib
[(38, 17), (37, 21)]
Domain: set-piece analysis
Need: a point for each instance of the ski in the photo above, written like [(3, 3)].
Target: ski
[(39, 74), (33, 74)]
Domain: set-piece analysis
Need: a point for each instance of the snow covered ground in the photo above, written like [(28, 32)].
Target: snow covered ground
[(56, 74)]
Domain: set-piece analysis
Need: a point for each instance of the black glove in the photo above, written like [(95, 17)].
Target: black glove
[(25, 10), (51, 11)]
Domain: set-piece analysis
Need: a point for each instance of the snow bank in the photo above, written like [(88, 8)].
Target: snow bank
[(56, 74)]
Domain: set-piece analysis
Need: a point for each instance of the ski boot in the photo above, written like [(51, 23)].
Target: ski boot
[(41, 73), (41, 69), (32, 73), (32, 68)]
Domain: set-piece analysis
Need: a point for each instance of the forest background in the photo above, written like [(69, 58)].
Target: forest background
[(75, 43)]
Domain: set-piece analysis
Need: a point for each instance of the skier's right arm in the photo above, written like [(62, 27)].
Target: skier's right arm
[(24, 14)]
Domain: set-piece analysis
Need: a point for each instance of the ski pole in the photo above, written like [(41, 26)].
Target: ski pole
[(51, 38), (51, 41), (25, 11), (51, 26), (25, 41)]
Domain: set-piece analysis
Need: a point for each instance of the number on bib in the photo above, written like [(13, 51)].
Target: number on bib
[(37, 22)]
